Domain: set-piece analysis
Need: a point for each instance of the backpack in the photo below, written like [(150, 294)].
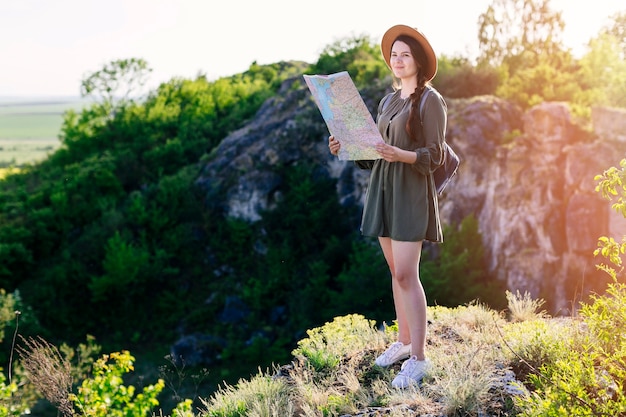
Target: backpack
[(444, 173)]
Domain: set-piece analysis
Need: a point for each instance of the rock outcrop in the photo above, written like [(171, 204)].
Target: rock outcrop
[(528, 177)]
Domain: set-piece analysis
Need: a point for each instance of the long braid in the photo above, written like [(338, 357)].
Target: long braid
[(413, 120)]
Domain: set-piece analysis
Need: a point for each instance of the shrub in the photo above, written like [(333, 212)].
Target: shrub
[(10, 402), (535, 343), (612, 183), (325, 346), (589, 378)]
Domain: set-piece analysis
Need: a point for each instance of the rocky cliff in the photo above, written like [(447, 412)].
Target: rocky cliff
[(527, 177)]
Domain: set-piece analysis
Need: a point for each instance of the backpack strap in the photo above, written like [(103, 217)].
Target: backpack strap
[(425, 95)]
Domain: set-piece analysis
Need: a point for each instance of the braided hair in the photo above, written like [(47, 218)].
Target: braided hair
[(413, 121)]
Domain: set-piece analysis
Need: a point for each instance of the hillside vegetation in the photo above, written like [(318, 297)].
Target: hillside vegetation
[(107, 245)]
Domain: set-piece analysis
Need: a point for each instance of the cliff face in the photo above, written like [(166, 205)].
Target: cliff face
[(534, 194), (527, 177)]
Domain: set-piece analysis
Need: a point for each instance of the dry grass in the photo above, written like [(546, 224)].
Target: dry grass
[(524, 307), (48, 371)]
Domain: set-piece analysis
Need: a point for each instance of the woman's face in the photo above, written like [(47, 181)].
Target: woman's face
[(403, 63)]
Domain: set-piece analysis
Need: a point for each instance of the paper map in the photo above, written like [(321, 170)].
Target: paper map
[(346, 115)]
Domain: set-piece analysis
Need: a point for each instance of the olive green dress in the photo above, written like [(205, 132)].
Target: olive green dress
[(401, 200)]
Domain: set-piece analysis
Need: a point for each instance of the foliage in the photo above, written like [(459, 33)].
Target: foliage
[(10, 405), (364, 284), (538, 342), (533, 65), (324, 346), (14, 401), (101, 393), (105, 394), (509, 28), (469, 376), (458, 78), (603, 71), (119, 192), (543, 79), (455, 273), (612, 183), (289, 269), (472, 372), (616, 29), (117, 79), (588, 380), (7, 310), (357, 55)]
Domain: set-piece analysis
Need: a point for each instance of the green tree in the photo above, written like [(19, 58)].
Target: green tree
[(117, 80), (541, 82), (522, 38), (510, 27), (617, 29), (603, 70)]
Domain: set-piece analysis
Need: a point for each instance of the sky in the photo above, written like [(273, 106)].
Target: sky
[(47, 47)]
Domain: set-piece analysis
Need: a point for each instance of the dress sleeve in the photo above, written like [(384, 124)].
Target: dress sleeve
[(434, 124)]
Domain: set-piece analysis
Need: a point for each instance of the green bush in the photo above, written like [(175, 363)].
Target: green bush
[(454, 273), (364, 284), (589, 378), (325, 346), (105, 394)]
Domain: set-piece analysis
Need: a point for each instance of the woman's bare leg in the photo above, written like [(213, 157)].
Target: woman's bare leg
[(404, 335), (409, 296)]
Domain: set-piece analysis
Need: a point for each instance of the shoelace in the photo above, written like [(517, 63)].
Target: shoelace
[(409, 365), (392, 350)]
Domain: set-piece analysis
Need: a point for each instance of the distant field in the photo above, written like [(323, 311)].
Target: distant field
[(29, 128)]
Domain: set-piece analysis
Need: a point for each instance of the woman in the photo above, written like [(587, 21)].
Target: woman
[(401, 206)]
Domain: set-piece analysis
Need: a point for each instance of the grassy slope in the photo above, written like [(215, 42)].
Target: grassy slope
[(479, 358)]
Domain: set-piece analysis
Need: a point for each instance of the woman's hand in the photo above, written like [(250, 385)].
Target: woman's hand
[(394, 154), (333, 145), (387, 152)]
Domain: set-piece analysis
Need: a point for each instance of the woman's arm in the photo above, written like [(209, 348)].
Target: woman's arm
[(434, 125)]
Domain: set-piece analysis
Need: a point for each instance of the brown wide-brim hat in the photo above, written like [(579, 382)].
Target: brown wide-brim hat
[(430, 66)]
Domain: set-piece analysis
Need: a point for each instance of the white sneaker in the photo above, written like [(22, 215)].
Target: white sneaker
[(412, 372), (394, 353)]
